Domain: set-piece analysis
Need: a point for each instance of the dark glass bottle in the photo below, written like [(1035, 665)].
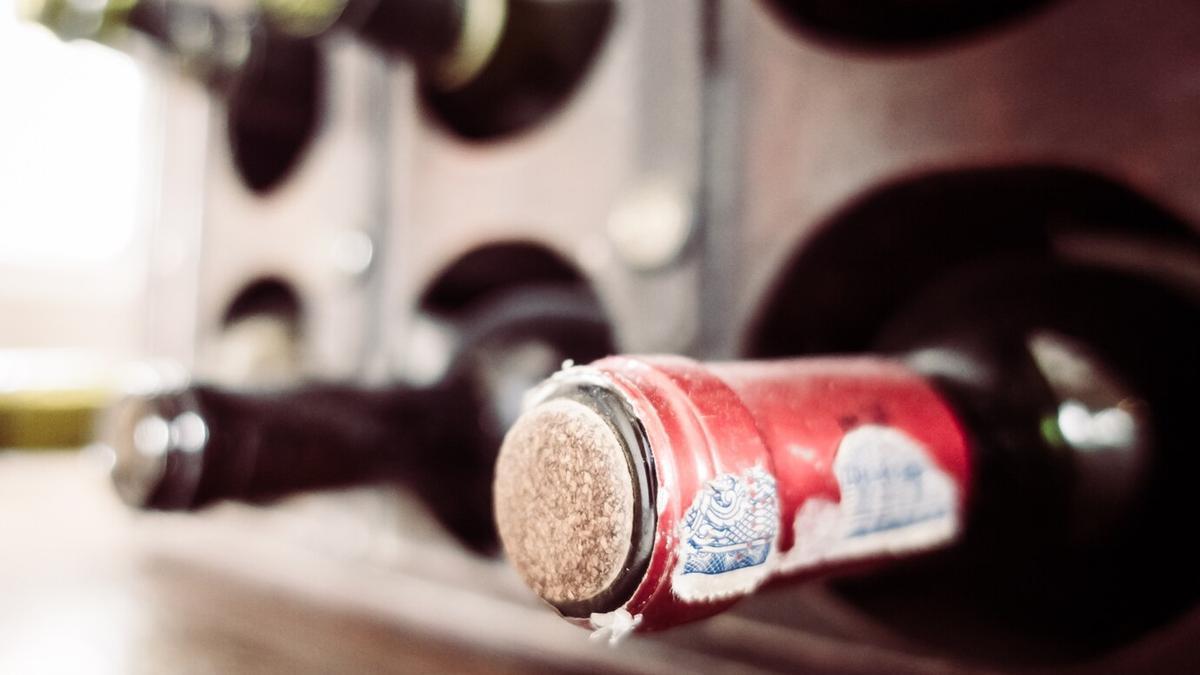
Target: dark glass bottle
[(185, 449), (1073, 383), (1010, 457), (487, 67)]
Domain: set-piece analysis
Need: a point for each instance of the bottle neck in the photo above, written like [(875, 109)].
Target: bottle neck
[(187, 449), (1061, 444)]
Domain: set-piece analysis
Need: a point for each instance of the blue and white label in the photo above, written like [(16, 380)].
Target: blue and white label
[(894, 499), (727, 537)]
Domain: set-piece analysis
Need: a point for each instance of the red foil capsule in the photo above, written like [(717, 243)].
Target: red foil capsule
[(756, 471)]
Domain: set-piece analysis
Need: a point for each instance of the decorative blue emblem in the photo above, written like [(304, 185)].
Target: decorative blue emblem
[(731, 523)]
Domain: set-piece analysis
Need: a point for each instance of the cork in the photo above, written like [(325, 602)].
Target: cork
[(565, 501)]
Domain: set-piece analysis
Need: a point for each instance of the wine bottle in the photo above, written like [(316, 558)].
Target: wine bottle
[(1032, 419), (487, 67), (188, 448)]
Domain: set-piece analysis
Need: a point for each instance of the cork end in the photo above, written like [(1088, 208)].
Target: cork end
[(566, 501)]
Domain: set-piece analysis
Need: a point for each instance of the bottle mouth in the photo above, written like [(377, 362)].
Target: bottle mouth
[(157, 443), (575, 496), (482, 27), (304, 18)]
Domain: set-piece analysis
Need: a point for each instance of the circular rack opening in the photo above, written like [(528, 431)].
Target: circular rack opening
[(897, 265), (260, 339), (543, 57), (505, 317), (512, 313), (891, 24), (274, 108)]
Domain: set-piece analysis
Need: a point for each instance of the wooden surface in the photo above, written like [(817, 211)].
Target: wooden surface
[(324, 584), (83, 590), (318, 584)]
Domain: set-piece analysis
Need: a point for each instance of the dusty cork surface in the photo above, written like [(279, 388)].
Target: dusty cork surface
[(564, 501)]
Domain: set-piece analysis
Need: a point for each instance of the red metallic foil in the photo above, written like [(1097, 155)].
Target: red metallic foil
[(710, 425)]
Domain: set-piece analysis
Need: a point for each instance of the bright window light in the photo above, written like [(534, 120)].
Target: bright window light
[(70, 148)]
